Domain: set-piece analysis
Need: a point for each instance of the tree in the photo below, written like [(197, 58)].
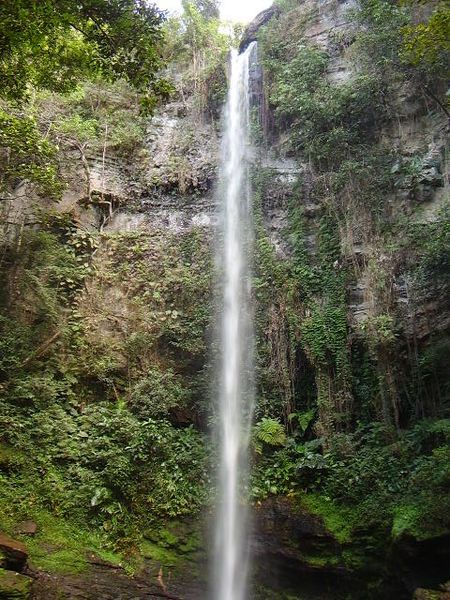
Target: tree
[(52, 44), (205, 48), (208, 8), (427, 44)]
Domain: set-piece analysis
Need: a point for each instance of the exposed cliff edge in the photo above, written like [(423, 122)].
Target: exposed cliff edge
[(251, 31)]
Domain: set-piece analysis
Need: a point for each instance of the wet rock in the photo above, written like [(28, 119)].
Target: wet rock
[(13, 554), (26, 528), (431, 176), (421, 564), (14, 586), (286, 532), (294, 551)]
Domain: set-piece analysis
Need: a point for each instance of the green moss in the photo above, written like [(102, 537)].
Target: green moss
[(191, 544), (422, 594), (410, 519), (354, 558), (14, 586), (182, 537), (405, 520), (338, 520), (10, 458), (168, 538), (59, 546), (159, 554), (64, 561), (322, 561)]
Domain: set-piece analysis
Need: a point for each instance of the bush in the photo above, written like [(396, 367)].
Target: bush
[(155, 395), (30, 156)]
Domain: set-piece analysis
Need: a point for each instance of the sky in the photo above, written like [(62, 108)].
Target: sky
[(233, 10)]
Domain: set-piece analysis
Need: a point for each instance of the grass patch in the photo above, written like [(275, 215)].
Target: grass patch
[(58, 546)]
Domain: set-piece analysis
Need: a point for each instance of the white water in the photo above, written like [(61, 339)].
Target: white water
[(236, 374)]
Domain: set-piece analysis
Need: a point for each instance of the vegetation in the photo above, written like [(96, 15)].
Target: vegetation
[(90, 448), (113, 408), (54, 46)]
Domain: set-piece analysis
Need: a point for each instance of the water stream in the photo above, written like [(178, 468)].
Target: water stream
[(236, 371)]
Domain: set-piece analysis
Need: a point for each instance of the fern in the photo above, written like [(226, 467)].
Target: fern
[(268, 431)]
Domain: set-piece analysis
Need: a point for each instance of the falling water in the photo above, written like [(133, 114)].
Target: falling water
[(236, 375)]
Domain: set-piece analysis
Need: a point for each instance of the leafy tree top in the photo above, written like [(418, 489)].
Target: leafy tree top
[(52, 44)]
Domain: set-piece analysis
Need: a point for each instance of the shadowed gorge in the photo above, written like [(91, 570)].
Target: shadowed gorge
[(224, 276)]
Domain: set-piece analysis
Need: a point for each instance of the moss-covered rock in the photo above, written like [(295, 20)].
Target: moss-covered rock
[(14, 586), (287, 528), (423, 594)]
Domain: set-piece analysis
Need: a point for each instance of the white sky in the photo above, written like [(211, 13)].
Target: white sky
[(233, 10)]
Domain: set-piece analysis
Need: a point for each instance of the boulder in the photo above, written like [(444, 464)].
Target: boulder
[(14, 586), (13, 554), (420, 563), (251, 31), (26, 528)]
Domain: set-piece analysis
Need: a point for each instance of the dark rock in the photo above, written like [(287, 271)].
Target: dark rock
[(26, 528), (431, 176), (13, 554), (106, 582), (295, 552), (420, 564), (14, 586), (251, 32)]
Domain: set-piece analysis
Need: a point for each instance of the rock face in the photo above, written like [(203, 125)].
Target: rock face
[(104, 582), (421, 564), (285, 532), (251, 32), (382, 280), (13, 554), (294, 551)]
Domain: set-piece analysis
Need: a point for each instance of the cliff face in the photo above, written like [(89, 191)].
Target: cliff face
[(351, 179), (412, 130)]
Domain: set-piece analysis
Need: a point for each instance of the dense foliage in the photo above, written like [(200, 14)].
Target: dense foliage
[(53, 45), (102, 408), (196, 46)]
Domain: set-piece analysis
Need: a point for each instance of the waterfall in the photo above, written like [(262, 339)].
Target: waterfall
[(236, 342)]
